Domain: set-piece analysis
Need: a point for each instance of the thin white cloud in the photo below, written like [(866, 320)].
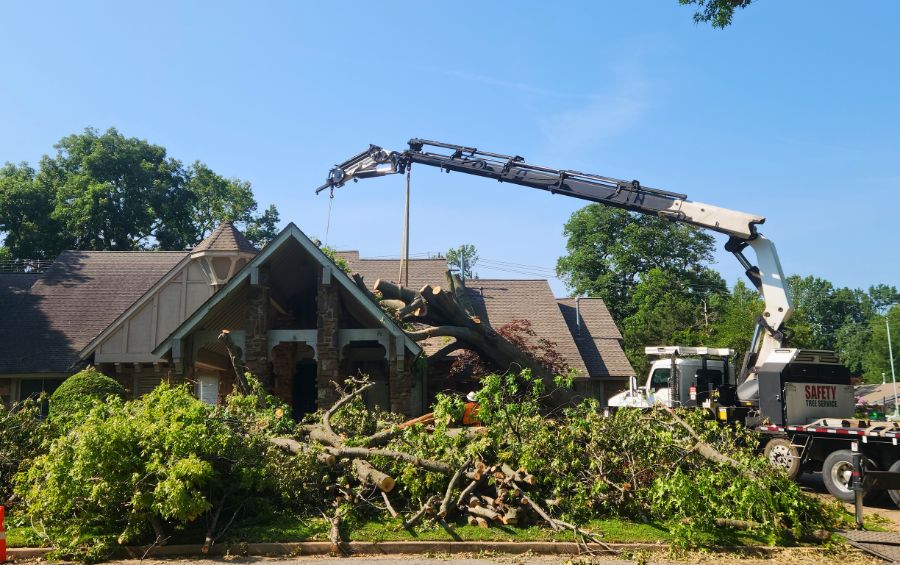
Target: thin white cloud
[(606, 115), (511, 85)]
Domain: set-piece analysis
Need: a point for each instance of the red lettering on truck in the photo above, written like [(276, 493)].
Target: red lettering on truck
[(821, 392)]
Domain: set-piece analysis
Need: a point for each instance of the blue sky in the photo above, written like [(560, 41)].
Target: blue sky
[(791, 113)]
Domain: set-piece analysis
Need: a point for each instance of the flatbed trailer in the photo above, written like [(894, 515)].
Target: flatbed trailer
[(828, 444)]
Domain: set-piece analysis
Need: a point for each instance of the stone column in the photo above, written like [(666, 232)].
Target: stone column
[(328, 307), (256, 346), (399, 380)]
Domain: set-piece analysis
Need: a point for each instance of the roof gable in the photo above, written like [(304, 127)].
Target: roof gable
[(291, 232)]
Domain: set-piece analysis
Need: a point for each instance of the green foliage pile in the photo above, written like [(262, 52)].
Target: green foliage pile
[(131, 472), (162, 462), (80, 392), (632, 465)]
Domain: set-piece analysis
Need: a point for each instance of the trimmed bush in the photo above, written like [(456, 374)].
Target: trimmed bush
[(79, 393)]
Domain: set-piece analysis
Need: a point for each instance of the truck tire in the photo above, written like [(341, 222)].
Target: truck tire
[(895, 494), (837, 470), (782, 454)]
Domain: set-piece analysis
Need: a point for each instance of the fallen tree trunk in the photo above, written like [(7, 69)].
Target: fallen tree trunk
[(449, 314)]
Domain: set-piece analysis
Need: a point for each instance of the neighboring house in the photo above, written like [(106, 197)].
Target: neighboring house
[(146, 317)]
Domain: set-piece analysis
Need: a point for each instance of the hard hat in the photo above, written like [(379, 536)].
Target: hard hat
[(471, 396)]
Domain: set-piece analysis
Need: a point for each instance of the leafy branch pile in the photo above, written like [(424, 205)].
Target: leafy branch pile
[(141, 471), (522, 467)]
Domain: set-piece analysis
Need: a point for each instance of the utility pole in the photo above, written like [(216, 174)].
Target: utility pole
[(462, 265), (887, 324)]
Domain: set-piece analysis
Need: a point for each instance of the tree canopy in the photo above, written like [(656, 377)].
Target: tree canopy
[(656, 279), (105, 191), (718, 13), (653, 274)]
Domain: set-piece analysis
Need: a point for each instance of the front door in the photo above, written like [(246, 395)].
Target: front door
[(304, 392)]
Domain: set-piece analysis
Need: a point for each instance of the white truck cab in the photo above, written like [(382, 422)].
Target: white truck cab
[(698, 372)]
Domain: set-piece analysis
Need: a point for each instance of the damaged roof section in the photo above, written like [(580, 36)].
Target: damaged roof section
[(593, 350)]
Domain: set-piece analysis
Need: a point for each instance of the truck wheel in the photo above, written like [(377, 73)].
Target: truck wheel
[(837, 471), (782, 454), (895, 494)]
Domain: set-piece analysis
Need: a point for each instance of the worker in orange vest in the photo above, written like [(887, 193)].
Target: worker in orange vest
[(470, 411)]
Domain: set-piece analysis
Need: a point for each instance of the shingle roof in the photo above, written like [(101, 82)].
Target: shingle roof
[(78, 296), (225, 237), (597, 337), (421, 271), (508, 300), (502, 301)]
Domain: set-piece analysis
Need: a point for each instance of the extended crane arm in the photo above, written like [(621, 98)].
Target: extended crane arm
[(767, 276), (630, 195)]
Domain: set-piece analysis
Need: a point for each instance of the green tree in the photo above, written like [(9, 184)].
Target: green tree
[(466, 256), (609, 249), (25, 215), (877, 360), (665, 313), (105, 191), (217, 199), (736, 318), (653, 275), (717, 12), (113, 192)]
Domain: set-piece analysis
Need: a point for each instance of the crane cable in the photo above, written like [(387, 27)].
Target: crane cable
[(328, 220)]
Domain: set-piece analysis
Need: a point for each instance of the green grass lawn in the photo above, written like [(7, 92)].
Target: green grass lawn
[(289, 528)]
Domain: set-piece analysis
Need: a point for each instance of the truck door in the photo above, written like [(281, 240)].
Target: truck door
[(659, 386)]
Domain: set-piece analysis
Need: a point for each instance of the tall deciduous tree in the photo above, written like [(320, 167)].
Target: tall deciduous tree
[(105, 191), (653, 274), (26, 209), (736, 318), (609, 249), (217, 199), (113, 192)]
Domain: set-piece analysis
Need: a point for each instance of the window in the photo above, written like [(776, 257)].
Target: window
[(208, 389), (660, 379), (32, 388)]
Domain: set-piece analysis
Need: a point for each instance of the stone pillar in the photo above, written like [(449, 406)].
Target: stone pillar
[(399, 380), (328, 309), (256, 346)]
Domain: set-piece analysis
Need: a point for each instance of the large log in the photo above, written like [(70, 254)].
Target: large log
[(449, 314), (368, 474)]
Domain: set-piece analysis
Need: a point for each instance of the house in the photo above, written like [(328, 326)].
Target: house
[(299, 320)]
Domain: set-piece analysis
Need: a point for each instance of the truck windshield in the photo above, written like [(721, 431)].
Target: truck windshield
[(660, 379)]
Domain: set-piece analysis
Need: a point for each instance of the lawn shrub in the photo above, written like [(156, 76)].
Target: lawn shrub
[(78, 394)]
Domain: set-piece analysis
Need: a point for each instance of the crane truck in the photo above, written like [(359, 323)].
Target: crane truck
[(799, 401)]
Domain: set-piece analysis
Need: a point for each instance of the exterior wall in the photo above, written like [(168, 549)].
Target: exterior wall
[(328, 307), (138, 379), (399, 381), (136, 336)]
